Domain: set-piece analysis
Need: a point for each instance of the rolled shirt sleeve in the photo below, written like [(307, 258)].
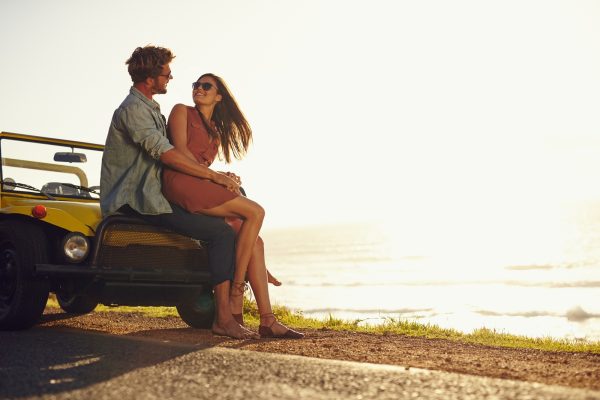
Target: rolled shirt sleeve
[(145, 128)]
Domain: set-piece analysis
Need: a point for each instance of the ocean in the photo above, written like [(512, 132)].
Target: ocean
[(535, 274)]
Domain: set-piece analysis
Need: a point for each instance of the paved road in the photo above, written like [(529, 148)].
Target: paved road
[(49, 363)]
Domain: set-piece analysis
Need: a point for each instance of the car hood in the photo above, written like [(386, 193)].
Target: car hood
[(73, 216)]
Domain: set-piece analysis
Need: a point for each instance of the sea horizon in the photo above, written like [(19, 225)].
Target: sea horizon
[(368, 272)]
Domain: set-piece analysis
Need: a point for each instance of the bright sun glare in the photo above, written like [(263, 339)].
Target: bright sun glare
[(467, 130)]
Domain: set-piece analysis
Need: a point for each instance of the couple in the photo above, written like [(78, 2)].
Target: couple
[(192, 199)]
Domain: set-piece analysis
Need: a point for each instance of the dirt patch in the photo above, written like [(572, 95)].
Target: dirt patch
[(580, 370)]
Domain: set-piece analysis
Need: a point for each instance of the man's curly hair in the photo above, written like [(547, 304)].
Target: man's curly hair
[(147, 62)]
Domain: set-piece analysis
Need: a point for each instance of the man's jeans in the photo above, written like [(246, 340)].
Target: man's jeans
[(219, 237)]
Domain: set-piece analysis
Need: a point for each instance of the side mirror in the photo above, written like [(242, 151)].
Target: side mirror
[(70, 157), (8, 184)]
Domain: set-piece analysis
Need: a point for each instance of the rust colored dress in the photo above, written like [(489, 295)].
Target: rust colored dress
[(192, 193)]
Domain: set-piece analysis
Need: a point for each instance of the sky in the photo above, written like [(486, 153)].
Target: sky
[(405, 111)]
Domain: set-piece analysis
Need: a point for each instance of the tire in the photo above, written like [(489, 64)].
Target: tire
[(199, 313), (22, 296), (73, 304)]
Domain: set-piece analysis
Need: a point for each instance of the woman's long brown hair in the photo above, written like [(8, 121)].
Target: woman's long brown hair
[(230, 126)]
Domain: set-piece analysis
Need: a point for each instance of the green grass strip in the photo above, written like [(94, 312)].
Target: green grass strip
[(391, 326)]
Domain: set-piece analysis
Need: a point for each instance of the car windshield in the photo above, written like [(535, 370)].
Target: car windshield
[(53, 169)]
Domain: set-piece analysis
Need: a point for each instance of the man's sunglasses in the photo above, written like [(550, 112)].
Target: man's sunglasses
[(206, 86)]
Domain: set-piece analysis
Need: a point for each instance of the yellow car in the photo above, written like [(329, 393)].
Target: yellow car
[(53, 239)]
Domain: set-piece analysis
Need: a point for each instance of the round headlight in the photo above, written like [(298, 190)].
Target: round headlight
[(75, 247)]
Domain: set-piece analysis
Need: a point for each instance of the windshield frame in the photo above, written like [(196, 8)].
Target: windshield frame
[(54, 169)]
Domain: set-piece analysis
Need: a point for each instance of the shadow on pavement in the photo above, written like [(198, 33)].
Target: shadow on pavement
[(49, 361)]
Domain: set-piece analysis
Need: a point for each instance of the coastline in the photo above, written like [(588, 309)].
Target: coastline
[(365, 272)]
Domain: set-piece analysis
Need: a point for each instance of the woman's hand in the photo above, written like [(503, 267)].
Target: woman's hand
[(224, 180), (232, 176)]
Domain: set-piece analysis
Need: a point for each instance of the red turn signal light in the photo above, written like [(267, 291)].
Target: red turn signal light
[(39, 211)]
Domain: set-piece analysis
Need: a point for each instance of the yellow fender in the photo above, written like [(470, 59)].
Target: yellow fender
[(54, 216)]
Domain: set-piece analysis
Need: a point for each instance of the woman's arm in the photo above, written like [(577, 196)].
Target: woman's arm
[(182, 160)]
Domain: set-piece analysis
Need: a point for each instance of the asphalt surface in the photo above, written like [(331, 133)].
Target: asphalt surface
[(45, 363)]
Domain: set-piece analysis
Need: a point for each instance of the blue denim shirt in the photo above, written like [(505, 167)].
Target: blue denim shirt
[(131, 167)]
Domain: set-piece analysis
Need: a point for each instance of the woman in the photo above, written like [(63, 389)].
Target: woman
[(216, 125)]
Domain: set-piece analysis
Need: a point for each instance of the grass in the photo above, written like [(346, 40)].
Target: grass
[(392, 326)]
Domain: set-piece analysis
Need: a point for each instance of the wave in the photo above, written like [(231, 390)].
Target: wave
[(530, 267), (546, 267), (367, 311), (573, 284), (575, 314), (579, 314), (527, 314), (550, 285)]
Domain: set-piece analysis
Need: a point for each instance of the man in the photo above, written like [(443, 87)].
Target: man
[(136, 149)]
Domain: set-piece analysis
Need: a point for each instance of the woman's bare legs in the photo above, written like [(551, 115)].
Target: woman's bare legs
[(252, 214), (236, 224), (272, 280), (225, 324), (258, 275)]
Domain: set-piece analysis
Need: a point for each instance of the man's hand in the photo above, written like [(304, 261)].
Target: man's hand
[(233, 176), (229, 183)]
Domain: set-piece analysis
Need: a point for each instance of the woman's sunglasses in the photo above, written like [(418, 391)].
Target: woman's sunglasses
[(206, 86)]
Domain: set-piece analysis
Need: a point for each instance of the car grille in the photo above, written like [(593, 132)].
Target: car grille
[(149, 247)]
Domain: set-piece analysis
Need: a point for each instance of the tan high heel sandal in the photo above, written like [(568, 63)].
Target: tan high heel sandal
[(267, 332)]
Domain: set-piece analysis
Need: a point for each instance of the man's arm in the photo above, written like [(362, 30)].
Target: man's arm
[(181, 159), (141, 127), (178, 161)]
